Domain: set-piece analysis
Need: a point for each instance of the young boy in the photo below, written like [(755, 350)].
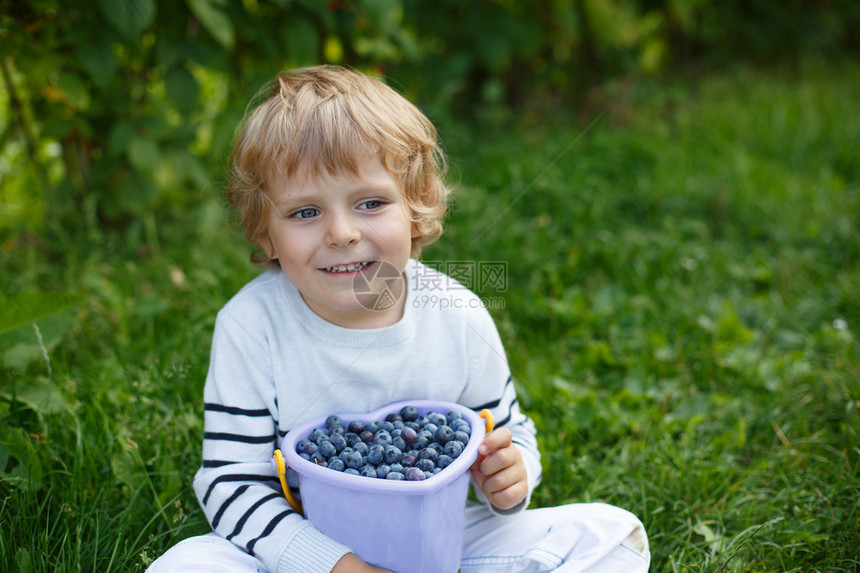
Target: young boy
[(338, 180)]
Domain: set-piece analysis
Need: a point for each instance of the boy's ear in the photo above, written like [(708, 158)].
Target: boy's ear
[(266, 244)]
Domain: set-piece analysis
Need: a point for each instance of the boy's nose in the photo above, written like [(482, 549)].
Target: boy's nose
[(342, 231)]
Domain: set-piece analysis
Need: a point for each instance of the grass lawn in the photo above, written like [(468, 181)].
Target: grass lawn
[(680, 303)]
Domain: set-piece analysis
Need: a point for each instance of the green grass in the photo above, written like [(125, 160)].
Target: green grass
[(682, 316)]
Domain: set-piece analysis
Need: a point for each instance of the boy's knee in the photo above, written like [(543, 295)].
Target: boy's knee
[(208, 553)]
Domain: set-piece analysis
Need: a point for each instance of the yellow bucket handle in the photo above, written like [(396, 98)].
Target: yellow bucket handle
[(282, 475), (488, 418)]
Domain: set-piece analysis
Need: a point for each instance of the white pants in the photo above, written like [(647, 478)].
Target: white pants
[(576, 538)]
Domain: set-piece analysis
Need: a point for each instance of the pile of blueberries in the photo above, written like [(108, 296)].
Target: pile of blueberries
[(403, 446)]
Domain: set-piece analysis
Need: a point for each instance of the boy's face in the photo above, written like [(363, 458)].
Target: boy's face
[(333, 234)]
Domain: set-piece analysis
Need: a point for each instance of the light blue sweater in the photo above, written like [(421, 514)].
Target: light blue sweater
[(275, 363)]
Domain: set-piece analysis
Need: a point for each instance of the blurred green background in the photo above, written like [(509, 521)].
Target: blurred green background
[(673, 186), (119, 113)]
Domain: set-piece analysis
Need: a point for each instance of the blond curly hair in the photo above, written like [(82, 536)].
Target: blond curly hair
[(324, 120)]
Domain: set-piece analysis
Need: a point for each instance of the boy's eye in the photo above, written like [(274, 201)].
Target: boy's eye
[(371, 204), (306, 213)]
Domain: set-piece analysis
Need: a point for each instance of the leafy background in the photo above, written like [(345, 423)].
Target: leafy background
[(672, 184)]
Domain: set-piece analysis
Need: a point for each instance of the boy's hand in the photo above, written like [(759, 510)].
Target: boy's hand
[(352, 563), (499, 470)]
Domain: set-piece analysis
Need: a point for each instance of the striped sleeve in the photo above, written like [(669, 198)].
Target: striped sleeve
[(237, 485), (490, 386)]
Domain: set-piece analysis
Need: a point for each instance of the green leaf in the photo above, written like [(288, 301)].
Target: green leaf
[(136, 196), (74, 90), (182, 88), (705, 531), (27, 473), (121, 136), (301, 41), (26, 307), (214, 20), (128, 17), (39, 394), (23, 561), (143, 154), (41, 325), (98, 60)]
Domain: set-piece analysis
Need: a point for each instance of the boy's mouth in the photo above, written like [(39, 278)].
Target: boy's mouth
[(348, 268)]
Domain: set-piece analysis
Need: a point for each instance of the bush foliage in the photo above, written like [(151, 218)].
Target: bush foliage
[(117, 110)]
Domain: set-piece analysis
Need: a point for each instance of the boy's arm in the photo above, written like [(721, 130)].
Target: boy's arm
[(490, 386), (237, 486)]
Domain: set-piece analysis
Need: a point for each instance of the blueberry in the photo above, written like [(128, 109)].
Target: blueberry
[(425, 465), (431, 428), (393, 454), (336, 464), (461, 436), (399, 442), (333, 421), (338, 441), (387, 426), (444, 461), (306, 447), (407, 460), (305, 456), (428, 454), (437, 418), (327, 449), (366, 436), (408, 434), (317, 434), (361, 448), (351, 471), (453, 448), (367, 470), (395, 476), (422, 439), (444, 434), (414, 474), (393, 417), (461, 425), (382, 470), (318, 458), (382, 437), (356, 427), (453, 415), (428, 475), (375, 454), (351, 459), (351, 439), (396, 468), (409, 413)]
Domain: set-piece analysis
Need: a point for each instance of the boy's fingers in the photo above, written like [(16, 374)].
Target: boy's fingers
[(496, 440), (497, 461)]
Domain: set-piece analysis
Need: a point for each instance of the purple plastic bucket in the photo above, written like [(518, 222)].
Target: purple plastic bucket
[(404, 526)]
